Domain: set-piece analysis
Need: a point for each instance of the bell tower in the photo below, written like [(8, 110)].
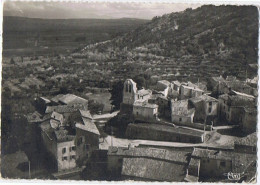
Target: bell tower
[(129, 93)]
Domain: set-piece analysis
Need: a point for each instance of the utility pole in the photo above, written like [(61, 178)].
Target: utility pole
[(204, 129), (111, 136), (29, 168)]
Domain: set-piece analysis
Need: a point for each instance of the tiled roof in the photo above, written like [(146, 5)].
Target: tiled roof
[(70, 99), (62, 135), (152, 169), (176, 82), (34, 117), (85, 114), (237, 100), (243, 94), (88, 126), (203, 97), (53, 115), (192, 88), (179, 156), (143, 92), (45, 125), (250, 140), (218, 78), (165, 82), (54, 123), (145, 104), (62, 108), (57, 97), (45, 99), (211, 154), (240, 161)]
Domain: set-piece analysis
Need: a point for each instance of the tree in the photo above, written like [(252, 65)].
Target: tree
[(117, 94), (95, 107), (12, 61), (64, 89), (140, 81)]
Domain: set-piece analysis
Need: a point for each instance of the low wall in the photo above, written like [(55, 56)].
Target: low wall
[(138, 131), (197, 126)]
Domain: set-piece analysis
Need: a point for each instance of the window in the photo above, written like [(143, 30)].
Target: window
[(63, 150), (130, 88), (223, 163), (210, 103), (64, 158), (210, 109), (180, 119), (137, 113), (72, 157), (73, 148)]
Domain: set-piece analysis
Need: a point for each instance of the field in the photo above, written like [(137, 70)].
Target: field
[(51, 37)]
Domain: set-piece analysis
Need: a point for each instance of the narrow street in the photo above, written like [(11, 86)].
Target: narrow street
[(213, 139)]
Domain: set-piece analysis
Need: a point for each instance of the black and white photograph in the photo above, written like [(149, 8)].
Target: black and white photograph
[(129, 92)]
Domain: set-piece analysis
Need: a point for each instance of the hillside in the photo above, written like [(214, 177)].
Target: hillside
[(29, 35), (209, 40)]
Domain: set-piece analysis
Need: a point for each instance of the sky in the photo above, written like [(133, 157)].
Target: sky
[(67, 10)]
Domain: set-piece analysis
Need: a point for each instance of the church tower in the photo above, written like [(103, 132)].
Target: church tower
[(129, 93)]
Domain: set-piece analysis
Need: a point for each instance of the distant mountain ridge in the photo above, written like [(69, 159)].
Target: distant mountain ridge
[(208, 34), (30, 24)]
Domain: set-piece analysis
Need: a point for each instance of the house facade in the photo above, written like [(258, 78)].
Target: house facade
[(206, 108), (69, 145), (144, 111), (249, 120), (187, 92), (231, 106), (180, 113)]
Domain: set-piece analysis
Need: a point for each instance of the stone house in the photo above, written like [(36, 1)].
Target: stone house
[(175, 90), (225, 85), (180, 112), (187, 92), (249, 120), (144, 111), (212, 163), (206, 107), (142, 164), (231, 106), (246, 144), (163, 86), (69, 147)]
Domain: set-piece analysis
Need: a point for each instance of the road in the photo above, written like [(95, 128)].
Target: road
[(214, 139), (105, 116)]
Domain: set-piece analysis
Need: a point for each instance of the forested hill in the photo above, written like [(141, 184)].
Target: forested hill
[(227, 34)]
